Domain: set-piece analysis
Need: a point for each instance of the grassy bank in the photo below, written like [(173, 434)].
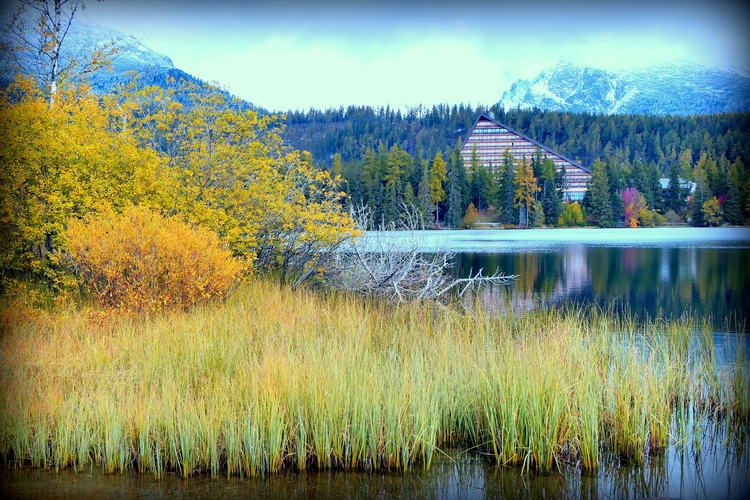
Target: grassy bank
[(276, 379)]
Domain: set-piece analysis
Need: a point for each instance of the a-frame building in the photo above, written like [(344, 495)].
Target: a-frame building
[(491, 139)]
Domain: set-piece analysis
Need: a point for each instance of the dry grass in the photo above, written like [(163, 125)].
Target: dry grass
[(276, 379)]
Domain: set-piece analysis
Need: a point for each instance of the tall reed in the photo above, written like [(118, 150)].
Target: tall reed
[(278, 379)]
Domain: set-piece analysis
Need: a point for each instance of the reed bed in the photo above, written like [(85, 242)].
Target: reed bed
[(278, 379)]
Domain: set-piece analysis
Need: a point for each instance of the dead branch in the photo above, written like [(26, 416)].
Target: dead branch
[(395, 268)]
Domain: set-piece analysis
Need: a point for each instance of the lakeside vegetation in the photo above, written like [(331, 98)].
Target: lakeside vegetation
[(277, 379), (208, 163), (708, 191), (387, 156), (141, 211)]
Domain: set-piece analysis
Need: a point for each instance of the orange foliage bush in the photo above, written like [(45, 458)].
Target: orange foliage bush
[(142, 261)]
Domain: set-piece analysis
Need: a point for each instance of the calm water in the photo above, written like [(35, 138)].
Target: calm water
[(666, 271), (679, 473), (708, 281)]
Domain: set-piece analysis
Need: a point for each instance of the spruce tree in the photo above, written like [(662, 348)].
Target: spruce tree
[(685, 161), (539, 216), (673, 197), (370, 177), (641, 180), (423, 193), (551, 195), (733, 206), (456, 190), (601, 208), (504, 201), (616, 176), (479, 182), (654, 174)]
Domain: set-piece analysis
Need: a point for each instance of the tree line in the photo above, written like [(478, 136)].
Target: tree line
[(530, 192), (583, 137), (388, 158)]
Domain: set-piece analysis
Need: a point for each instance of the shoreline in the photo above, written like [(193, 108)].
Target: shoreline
[(491, 240)]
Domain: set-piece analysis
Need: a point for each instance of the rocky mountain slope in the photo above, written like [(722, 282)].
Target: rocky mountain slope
[(133, 56), (676, 88)]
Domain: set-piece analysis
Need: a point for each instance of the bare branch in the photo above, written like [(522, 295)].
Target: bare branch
[(393, 267)]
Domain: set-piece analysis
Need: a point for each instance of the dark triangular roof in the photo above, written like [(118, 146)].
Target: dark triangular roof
[(523, 136)]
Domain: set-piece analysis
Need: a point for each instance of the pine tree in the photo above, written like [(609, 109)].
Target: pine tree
[(601, 208)]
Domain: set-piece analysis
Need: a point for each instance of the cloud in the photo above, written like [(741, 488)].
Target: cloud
[(303, 54)]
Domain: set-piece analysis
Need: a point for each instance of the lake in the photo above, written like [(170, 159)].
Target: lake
[(679, 473), (667, 271)]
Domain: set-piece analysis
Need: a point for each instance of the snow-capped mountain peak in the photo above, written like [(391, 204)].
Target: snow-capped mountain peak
[(677, 87)]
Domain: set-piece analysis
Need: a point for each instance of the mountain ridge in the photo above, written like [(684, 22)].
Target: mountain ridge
[(673, 88), (152, 68)]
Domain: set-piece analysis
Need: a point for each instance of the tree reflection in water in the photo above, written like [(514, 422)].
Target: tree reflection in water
[(713, 283)]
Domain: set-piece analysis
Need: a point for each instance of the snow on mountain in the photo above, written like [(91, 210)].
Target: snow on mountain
[(131, 56), (679, 88), (83, 38)]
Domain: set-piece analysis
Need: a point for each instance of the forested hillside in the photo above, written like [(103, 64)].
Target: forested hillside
[(387, 158), (583, 137)]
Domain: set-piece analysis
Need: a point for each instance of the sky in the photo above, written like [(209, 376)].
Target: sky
[(296, 55)]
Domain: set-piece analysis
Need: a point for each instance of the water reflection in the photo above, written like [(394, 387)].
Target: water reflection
[(705, 281), (680, 473)]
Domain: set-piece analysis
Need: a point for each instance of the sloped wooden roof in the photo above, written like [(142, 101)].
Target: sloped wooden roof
[(523, 136)]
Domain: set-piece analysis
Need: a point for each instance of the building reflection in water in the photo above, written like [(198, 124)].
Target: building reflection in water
[(711, 282)]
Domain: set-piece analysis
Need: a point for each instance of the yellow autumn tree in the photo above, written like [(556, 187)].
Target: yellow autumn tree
[(231, 172), (191, 151), (61, 162), (525, 191), (712, 212)]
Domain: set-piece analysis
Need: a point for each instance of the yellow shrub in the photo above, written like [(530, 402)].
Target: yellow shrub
[(142, 261)]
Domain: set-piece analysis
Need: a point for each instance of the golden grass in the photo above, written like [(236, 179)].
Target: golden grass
[(276, 379)]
